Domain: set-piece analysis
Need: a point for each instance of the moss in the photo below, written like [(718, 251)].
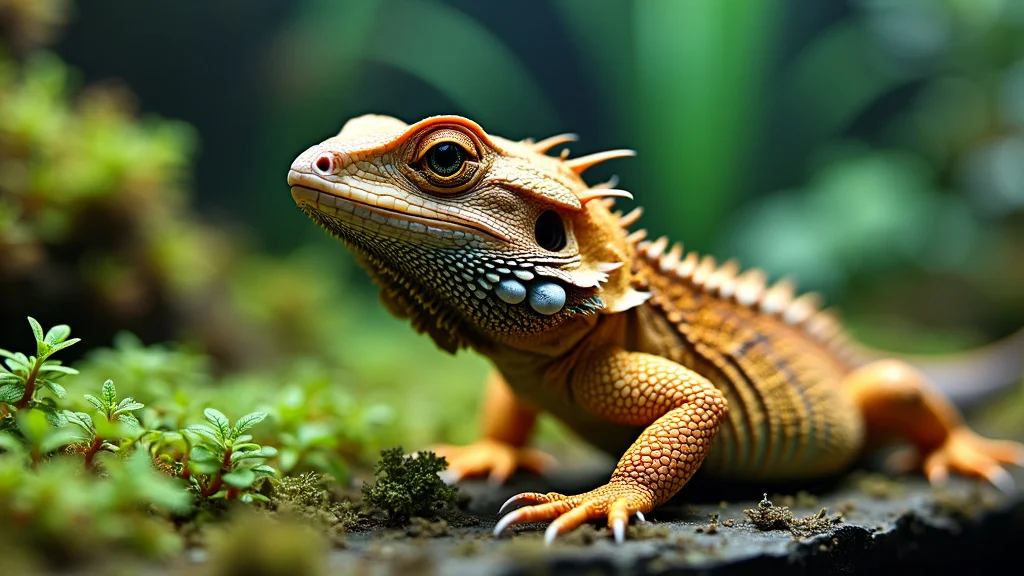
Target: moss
[(409, 486), (310, 498), (768, 516)]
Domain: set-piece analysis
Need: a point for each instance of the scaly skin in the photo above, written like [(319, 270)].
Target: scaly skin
[(673, 362)]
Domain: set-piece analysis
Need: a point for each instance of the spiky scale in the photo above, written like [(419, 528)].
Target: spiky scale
[(778, 297)]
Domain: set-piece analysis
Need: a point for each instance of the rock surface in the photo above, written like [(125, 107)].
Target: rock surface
[(886, 523)]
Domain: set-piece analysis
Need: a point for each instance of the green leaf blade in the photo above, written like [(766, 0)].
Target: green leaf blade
[(246, 422)]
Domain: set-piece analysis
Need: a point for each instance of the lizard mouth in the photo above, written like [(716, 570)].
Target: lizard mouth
[(340, 203)]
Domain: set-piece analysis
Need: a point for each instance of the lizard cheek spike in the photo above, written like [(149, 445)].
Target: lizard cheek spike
[(323, 165), (547, 298)]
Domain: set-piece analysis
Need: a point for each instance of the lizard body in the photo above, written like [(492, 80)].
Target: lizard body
[(666, 358)]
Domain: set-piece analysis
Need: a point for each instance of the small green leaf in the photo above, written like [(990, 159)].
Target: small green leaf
[(246, 422), (19, 363), (58, 439), (9, 378), (109, 393), (80, 419), (206, 467), (263, 471), (204, 431), (240, 478), (129, 420), (201, 454), (64, 344), (51, 367), (37, 330), (6, 354), (246, 447), (11, 393), (129, 404), (266, 452), (58, 390), (53, 416), (219, 420), (57, 334), (96, 402)]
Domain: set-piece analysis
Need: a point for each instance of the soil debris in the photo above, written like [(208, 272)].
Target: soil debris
[(768, 516)]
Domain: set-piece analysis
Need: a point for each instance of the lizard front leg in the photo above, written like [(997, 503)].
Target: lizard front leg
[(682, 412), (896, 399), (507, 424)]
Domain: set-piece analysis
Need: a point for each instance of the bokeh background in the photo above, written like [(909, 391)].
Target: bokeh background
[(871, 149)]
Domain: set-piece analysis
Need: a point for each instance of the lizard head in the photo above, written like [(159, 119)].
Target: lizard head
[(469, 235)]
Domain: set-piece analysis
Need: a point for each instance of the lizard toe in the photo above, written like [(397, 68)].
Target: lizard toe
[(616, 502), (967, 453)]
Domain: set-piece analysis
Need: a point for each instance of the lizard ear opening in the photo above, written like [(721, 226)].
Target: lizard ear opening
[(549, 231)]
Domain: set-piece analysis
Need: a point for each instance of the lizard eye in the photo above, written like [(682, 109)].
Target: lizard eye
[(550, 231), (445, 159)]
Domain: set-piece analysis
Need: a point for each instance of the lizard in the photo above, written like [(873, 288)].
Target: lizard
[(659, 355)]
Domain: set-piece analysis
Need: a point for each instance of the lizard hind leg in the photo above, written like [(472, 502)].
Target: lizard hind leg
[(897, 400)]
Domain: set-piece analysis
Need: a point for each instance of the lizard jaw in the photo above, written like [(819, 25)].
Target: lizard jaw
[(351, 204)]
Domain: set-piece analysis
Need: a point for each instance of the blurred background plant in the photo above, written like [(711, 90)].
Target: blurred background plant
[(873, 149)]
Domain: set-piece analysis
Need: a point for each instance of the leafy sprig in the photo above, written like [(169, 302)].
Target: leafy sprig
[(224, 461), (115, 428), (23, 377)]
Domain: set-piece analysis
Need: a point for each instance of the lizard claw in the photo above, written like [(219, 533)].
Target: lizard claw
[(523, 498), (616, 502), (619, 530)]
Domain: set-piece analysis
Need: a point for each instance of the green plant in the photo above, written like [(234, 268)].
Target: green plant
[(25, 376), (408, 486), (225, 462), (116, 422)]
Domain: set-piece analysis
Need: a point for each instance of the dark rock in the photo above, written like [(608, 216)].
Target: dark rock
[(886, 523)]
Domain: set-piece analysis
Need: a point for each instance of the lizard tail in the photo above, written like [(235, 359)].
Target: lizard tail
[(973, 376)]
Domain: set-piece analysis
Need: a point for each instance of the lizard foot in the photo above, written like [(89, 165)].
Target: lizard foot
[(616, 501), (970, 454), (497, 460)]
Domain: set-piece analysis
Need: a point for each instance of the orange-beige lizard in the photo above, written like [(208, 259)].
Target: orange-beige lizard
[(666, 358)]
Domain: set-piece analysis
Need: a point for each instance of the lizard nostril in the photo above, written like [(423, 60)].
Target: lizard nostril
[(324, 164)]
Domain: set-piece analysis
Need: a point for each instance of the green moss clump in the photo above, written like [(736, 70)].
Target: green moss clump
[(409, 486)]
